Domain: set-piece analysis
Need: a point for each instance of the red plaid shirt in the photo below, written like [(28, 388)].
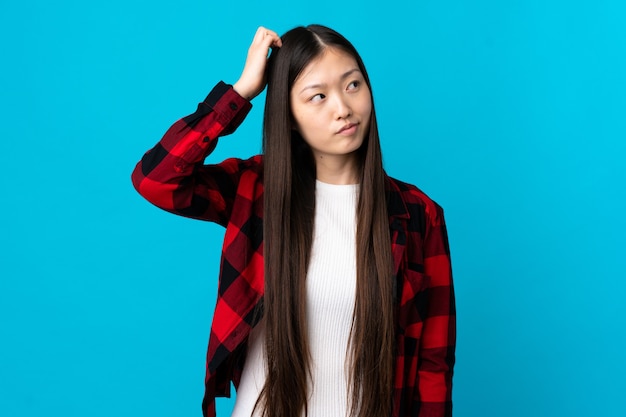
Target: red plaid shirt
[(172, 175)]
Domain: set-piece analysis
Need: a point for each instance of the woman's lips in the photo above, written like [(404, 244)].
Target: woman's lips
[(348, 129)]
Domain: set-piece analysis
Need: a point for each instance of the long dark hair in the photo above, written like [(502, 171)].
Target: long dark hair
[(289, 205)]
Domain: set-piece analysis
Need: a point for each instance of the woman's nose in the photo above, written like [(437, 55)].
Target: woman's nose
[(343, 109)]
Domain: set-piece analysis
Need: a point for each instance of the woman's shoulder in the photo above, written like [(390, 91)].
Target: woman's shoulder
[(413, 199)]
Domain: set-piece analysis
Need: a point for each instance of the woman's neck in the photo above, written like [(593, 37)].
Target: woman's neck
[(337, 169)]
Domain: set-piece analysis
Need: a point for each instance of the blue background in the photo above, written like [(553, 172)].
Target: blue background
[(510, 114)]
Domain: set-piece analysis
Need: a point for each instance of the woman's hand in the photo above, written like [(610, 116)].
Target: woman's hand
[(252, 79)]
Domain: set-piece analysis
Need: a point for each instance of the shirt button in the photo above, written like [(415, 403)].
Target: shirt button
[(206, 139), (233, 106)]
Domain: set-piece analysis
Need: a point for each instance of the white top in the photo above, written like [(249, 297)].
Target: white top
[(331, 288)]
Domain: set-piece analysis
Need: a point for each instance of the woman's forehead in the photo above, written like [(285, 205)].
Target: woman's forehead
[(331, 65)]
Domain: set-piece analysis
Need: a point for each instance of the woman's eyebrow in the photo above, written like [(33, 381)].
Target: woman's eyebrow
[(343, 77)]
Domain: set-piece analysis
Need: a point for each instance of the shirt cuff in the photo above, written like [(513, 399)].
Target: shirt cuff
[(230, 108)]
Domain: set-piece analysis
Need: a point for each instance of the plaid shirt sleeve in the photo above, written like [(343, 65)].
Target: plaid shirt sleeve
[(172, 176), (438, 339), (426, 313)]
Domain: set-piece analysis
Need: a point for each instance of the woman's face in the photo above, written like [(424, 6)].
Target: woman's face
[(331, 105)]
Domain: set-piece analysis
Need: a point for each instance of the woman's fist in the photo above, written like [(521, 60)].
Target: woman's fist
[(252, 79)]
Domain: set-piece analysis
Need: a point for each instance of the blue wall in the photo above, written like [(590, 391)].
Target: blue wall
[(511, 114)]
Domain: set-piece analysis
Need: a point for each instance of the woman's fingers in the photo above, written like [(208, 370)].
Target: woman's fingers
[(268, 37), (252, 80)]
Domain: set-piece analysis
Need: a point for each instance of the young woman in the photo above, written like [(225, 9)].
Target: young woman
[(335, 295)]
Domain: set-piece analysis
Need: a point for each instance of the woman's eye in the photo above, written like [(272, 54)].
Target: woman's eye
[(353, 85), (317, 97)]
